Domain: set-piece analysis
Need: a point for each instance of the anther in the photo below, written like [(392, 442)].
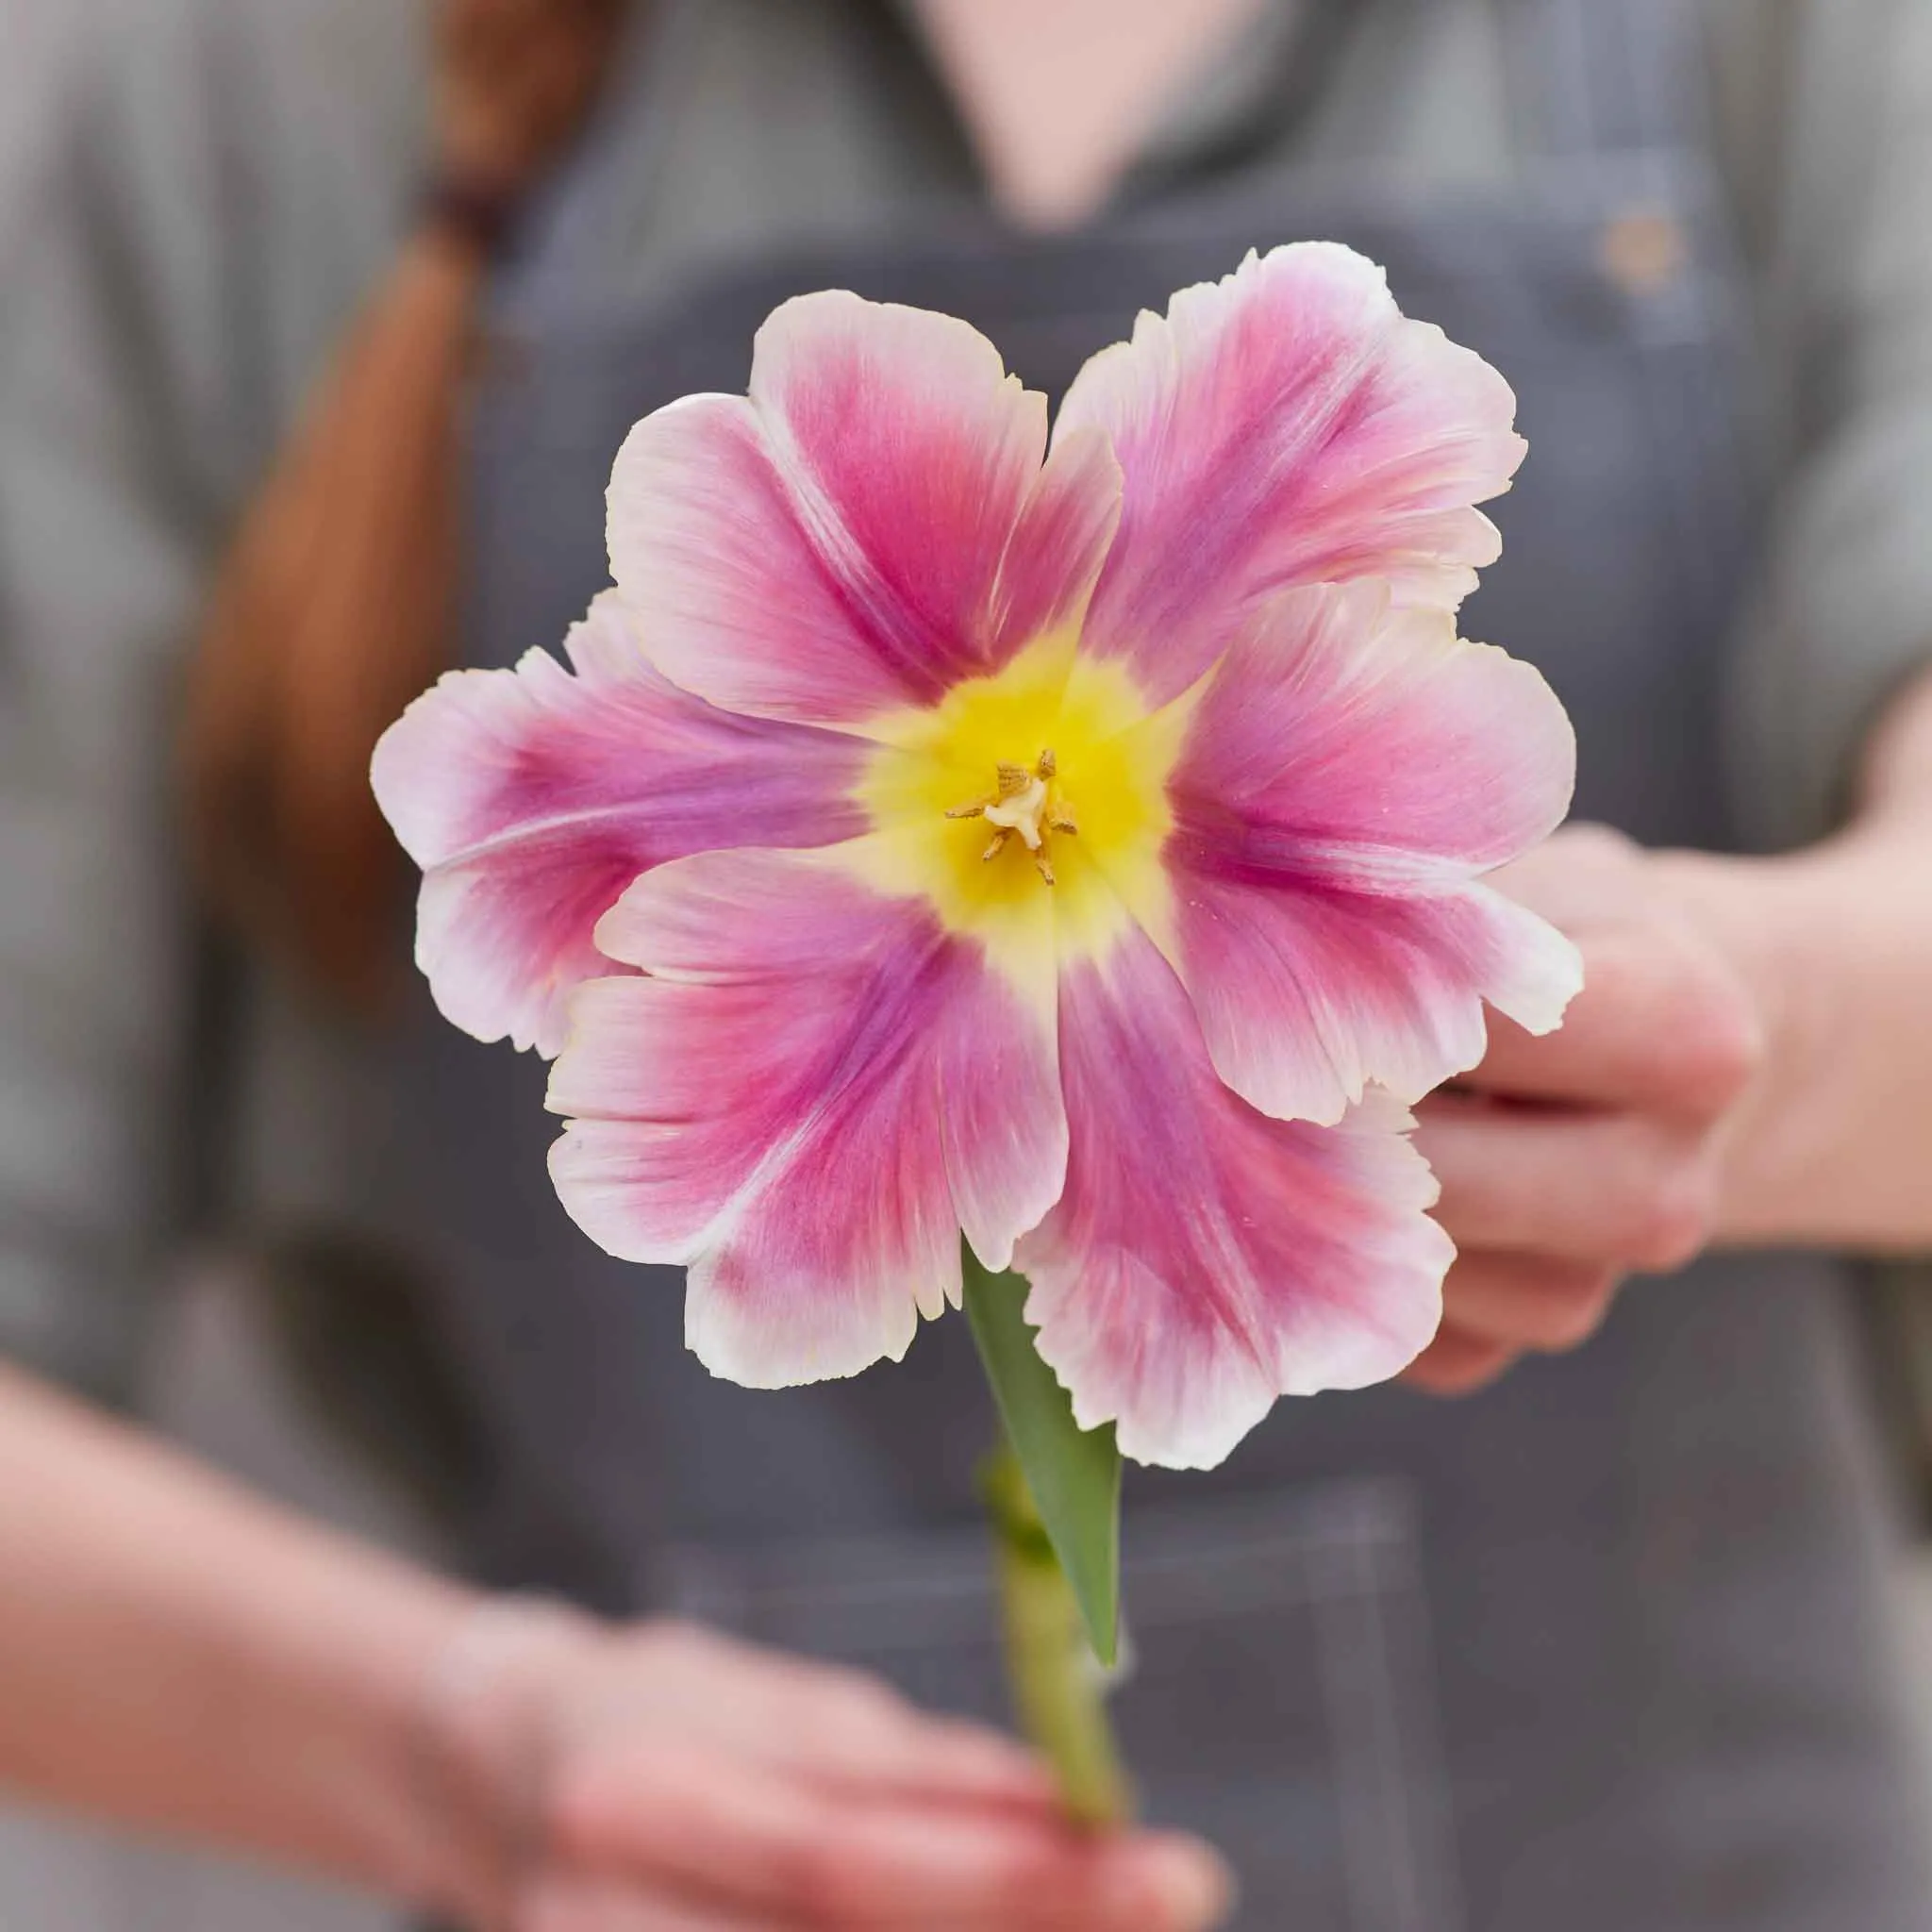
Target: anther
[(1022, 805)]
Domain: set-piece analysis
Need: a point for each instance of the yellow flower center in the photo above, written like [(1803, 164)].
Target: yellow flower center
[(1052, 772)]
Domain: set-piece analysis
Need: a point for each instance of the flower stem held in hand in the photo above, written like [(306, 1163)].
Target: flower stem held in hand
[(1060, 1688)]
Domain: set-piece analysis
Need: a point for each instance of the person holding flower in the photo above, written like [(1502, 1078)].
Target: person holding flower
[(511, 1765), (1631, 1563)]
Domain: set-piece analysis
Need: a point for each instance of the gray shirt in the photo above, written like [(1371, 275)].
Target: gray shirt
[(201, 192)]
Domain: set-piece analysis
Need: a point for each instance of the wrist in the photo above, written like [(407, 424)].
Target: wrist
[(1759, 914), (1772, 922), (483, 1730), (435, 290), (470, 210), (1833, 953)]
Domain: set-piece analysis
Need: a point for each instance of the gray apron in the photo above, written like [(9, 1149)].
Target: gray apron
[(1599, 1651)]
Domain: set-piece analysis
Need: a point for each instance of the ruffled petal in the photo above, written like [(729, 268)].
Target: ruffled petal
[(1286, 426), (531, 798), (811, 1092), (868, 526), (1205, 1259), (1349, 771)]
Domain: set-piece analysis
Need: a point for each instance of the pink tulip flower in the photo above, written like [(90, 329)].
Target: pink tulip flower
[(1077, 846)]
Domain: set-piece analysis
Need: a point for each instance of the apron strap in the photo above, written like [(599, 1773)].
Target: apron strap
[(1609, 77)]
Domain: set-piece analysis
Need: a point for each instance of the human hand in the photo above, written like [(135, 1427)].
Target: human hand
[(1568, 1162), (663, 1779), (514, 82)]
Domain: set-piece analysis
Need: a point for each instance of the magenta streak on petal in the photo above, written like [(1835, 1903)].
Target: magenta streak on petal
[(914, 467), (1059, 544), (1307, 992), (870, 527), (892, 562), (532, 798), (805, 1099), (1350, 771), (1284, 426), (1267, 465), (879, 606), (1205, 1259)]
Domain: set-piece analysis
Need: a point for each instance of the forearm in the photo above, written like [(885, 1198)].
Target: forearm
[(178, 1656), (1834, 1146)]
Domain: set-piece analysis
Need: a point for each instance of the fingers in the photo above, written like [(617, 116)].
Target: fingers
[(762, 1841), (865, 1738), (941, 1762), (578, 1904), (1495, 1307), (1458, 1364), (968, 1879), (1662, 1024), (1584, 876), (839, 1726), (1526, 1301), (1616, 1190), (1568, 1160)]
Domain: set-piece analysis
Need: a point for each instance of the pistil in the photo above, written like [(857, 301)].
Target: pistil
[(1021, 803)]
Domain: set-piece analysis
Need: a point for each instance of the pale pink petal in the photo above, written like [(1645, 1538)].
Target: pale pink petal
[(1205, 1259), (866, 528), (1350, 770), (1286, 426), (810, 1093), (531, 798)]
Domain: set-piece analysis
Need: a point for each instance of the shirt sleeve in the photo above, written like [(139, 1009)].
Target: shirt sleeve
[(198, 201), (1830, 146), (105, 536)]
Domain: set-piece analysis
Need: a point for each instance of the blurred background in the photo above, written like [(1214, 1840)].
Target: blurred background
[(203, 205)]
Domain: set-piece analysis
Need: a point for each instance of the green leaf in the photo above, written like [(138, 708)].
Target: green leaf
[(1075, 1473)]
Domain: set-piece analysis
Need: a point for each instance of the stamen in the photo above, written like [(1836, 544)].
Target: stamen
[(1020, 804), (1021, 808)]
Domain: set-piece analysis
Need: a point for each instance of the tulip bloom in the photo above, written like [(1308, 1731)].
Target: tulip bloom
[(1079, 847)]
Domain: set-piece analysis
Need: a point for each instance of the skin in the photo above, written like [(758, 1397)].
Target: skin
[(1747, 1066), (1058, 100), (525, 1769)]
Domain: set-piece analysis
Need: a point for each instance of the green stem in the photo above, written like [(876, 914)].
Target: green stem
[(1059, 1691)]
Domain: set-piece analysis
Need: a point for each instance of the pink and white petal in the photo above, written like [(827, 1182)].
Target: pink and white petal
[(1308, 992), (833, 545), (531, 798), (1286, 426), (1350, 768), (1060, 543), (1205, 1259), (809, 1092), (1338, 719)]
